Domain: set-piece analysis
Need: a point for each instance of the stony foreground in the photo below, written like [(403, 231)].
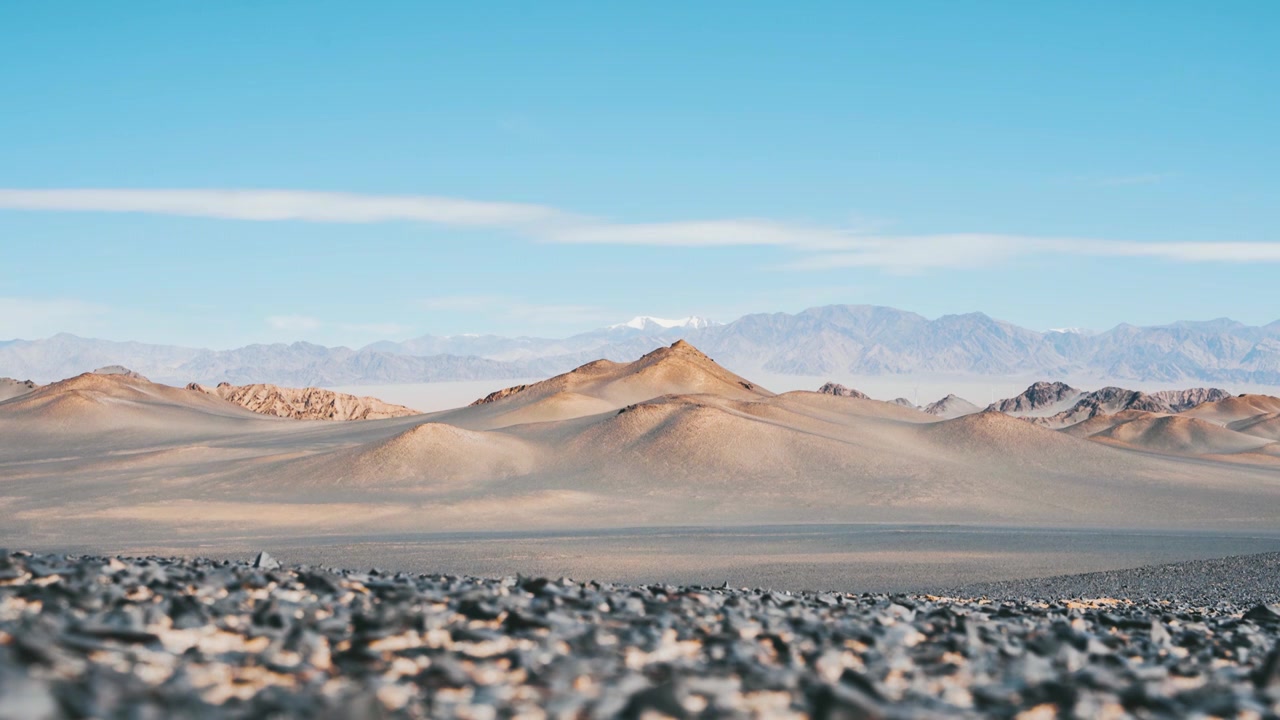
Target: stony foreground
[(154, 638)]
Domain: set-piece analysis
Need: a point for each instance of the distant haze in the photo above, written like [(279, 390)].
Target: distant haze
[(884, 351)]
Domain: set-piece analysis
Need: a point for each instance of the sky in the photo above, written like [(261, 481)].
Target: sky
[(216, 174)]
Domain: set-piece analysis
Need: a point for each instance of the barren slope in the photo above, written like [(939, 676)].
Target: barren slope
[(10, 388), (600, 386), (1182, 435), (1236, 409), (671, 439)]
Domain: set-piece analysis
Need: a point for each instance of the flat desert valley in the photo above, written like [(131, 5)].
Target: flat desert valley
[(666, 469)]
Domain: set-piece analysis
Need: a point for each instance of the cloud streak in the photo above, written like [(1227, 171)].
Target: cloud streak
[(279, 205), (815, 247)]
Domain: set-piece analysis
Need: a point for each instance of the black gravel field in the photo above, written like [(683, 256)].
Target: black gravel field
[(96, 637)]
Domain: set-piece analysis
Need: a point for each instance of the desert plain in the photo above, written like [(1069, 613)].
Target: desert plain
[(666, 469), (656, 538)]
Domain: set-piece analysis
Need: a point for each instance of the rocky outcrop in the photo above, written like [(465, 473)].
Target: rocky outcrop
[(497, 395), (1180, 400), (1112, 400), (951, 406), (904, 403), (119, 370), (1037, 397), (304, 403), (841, 391)]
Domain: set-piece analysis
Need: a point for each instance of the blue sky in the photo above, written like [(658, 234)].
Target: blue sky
[(222, 173)]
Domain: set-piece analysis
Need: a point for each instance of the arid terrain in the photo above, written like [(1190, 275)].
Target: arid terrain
[(113, 462)]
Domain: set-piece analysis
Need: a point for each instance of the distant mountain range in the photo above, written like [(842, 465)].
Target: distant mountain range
[(823, 341)]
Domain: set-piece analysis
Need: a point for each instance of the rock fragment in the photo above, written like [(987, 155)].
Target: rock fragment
[(158, 637)]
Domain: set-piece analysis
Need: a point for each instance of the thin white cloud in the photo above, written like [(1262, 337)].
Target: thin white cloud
[(973, 250), (708, 233), (815, 247), (1231, 252), (22, 317), (268, 205)]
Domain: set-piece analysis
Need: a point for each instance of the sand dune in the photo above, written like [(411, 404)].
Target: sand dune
[(600, 386), (1236, 409), (671, 439), (10, 388), (1102, 423), (1178, 434), (1263, 426), (92, 403), (426, 457)]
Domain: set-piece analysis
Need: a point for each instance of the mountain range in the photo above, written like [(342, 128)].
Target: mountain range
[(822, 341)]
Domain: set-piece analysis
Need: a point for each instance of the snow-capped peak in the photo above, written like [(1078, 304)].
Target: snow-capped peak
[(644, 322), (1070, 331)]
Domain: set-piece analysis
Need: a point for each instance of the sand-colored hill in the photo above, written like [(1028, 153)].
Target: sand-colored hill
[(670, 439), (1102, 423), (429, 457), (1263, 426), (95, 402), (1180, 434), (601, 386), (1236, 409), (94, 435), (10, 388), (304, 403)]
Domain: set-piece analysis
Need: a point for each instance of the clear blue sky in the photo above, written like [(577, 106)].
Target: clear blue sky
[(545, 168)]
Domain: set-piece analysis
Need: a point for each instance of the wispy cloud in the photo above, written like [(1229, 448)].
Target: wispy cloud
[(906, 253), (814, 246), (705, 233), (269, 205), (22, 317)]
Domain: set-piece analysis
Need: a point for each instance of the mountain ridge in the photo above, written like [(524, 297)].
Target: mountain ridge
[(833, 339), (669, 438)]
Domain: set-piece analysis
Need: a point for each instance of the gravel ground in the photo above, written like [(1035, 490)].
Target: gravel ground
[(156, 637), (1243, 580)]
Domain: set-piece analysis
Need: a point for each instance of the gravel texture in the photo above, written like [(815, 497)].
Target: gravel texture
[(157, 637), (1242, 580)]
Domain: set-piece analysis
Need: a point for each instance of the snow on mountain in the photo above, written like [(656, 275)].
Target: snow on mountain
[(646, 322), (836, 339)]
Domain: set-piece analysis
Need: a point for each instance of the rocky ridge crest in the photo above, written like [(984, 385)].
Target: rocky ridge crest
[(304, 403)]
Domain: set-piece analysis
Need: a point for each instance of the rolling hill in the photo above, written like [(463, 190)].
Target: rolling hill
[(671, 438)]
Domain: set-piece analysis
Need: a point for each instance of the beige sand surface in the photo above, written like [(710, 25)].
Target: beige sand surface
[(669, 440)]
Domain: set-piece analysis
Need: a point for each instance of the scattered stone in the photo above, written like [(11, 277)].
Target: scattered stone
[(161, 637), (841, 391), (265, 562)]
